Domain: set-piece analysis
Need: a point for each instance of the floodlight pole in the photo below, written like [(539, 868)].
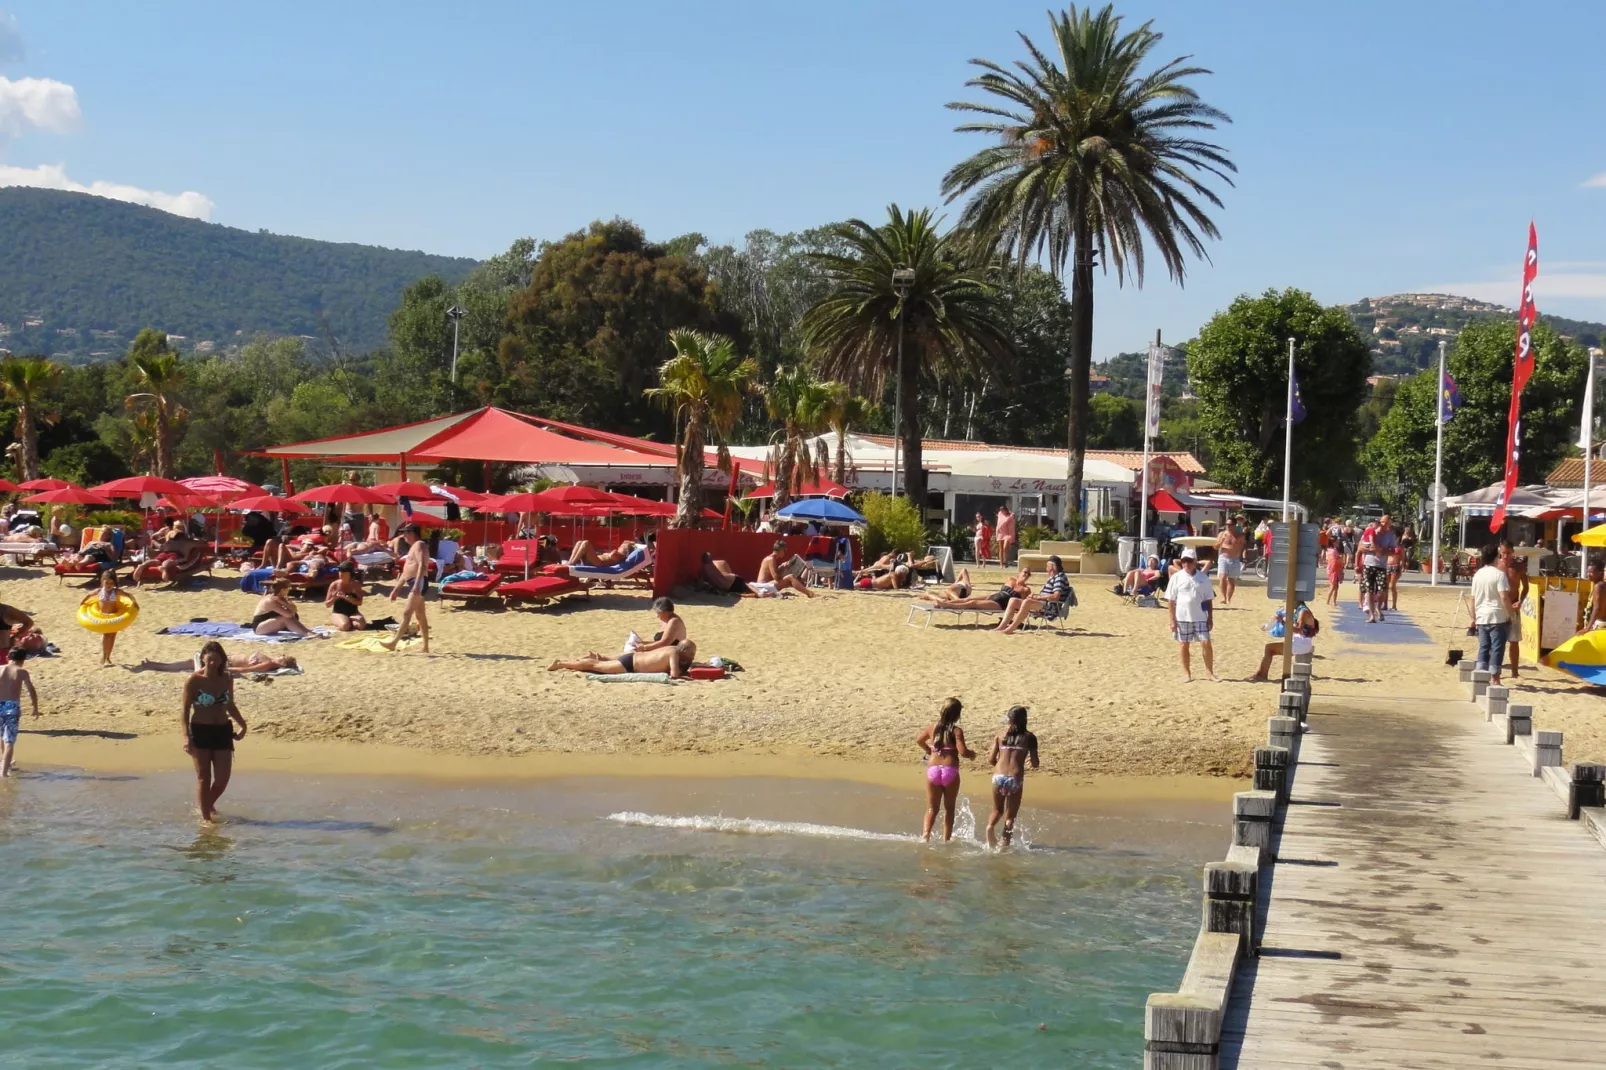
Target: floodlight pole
[(902, 279), (455, 314)]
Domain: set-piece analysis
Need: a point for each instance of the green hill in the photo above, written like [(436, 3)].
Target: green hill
[(80, 275), (1405, 329)]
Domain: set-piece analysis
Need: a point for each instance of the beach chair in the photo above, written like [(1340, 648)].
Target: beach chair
[(1055, 613), (519, 557), (637, 566), (539, 590), (933, 611), (944, 572), (469, 591), (29, 551)]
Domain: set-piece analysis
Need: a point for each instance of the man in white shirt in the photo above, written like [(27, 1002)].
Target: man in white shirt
[(1192, 605), (1491, 612)]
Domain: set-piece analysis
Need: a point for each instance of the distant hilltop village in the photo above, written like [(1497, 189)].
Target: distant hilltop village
[(1405, 329)]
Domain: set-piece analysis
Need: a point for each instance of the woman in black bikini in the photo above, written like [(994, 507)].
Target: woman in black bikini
[(415, 582), (275, 614), (344, 599), (208, 737), (999, 600)]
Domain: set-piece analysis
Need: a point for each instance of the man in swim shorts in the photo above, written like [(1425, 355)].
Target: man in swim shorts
[(13, 678), (1230, 559)]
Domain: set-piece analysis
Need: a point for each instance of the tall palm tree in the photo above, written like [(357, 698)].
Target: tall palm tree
[(801, 407), (1092, 155), (703, 385), (950, 316), (849, 412), (24, 380), (161, 375)]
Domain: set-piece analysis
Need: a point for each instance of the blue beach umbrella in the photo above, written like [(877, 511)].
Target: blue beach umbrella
[(825, 510)]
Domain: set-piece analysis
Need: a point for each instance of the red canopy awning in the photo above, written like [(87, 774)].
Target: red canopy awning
[(823, 489), (1163, 502)]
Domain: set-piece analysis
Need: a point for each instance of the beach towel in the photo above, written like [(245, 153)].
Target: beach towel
[(260, 677), (255, 581), (457, 577), (630, 677), (238, 633), (372, 643)]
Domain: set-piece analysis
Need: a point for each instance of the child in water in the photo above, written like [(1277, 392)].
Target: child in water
[(943, 743), (1012, 749), (13, 678)]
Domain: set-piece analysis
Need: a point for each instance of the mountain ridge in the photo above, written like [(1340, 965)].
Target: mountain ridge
[(81, 275)]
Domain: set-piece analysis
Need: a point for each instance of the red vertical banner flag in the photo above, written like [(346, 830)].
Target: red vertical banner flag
[(1522, 367)]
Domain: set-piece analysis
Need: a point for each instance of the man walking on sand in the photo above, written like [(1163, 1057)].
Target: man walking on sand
[(1230, 559), (1192, 604), (1491, 612)]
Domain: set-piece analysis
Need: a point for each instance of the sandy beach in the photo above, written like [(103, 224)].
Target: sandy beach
[(833, 687)]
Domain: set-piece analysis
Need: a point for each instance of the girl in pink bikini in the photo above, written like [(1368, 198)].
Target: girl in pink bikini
[(943, 743)]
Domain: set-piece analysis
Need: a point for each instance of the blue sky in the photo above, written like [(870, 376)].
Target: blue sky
[(1382, 146)]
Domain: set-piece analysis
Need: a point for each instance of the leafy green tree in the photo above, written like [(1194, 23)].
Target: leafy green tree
[(586, 338), (1239, 369), (158, 415), (1475, 438), (26, 380), (702, 385), (1090, 153), (1114, 423), (800, 407), (951, 318)]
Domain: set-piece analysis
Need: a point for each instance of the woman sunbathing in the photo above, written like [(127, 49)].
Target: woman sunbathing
[(238, 664), (1142, 580), (999, 600), (955, 592), (674, 660), (585, 554), (275, 614), (344, 599)]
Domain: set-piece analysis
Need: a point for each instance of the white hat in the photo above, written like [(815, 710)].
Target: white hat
[(1190, 554)]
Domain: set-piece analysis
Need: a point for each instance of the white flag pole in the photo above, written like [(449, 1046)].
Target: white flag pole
[(1438, 470), (1588, 442), (1288, 435), (1149, 410)]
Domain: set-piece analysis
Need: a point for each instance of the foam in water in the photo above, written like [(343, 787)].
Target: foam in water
[(755, 827)]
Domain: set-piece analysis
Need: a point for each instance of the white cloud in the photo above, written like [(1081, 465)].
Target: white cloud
[(1596, 181), (11, 48), (54, 176), (1558, 285), (37, 103)]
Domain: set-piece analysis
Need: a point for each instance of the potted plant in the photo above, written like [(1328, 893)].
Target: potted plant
[(1098, 546)]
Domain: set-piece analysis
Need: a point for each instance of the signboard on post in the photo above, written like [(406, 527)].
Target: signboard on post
[(1304, 563)]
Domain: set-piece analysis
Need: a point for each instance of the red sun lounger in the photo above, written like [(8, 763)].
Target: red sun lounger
[(472, 590), (539, 590)]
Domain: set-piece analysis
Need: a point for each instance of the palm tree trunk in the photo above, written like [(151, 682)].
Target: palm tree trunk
[(30, 442), (784, 466), (1081, 359), (690, 507), (164, 447), (840, 474), (914, 475)]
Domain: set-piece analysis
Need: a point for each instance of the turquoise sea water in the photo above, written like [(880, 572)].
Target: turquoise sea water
[(342, 923)]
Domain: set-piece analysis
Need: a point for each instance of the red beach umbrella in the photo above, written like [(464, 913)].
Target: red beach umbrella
[(270, 503), (417, 492), (187, 501), (469, 499), (8, 487), (576, 494), (68, 495), (139, 486), (45, 483), (223, 488), (344, 494)]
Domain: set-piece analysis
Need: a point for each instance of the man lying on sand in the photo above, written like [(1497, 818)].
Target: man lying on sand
[(719, 576), (674, 660)]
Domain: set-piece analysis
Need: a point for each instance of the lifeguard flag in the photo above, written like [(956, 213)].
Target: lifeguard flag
[(1522, 367), (1449, 397)]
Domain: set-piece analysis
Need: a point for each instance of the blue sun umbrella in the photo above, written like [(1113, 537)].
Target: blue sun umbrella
[(824, 510)]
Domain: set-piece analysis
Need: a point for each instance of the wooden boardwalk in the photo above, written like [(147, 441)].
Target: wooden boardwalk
[(1429, 907)]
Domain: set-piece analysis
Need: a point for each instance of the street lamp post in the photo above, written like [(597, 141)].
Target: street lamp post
[(902, 280), (455, 314)]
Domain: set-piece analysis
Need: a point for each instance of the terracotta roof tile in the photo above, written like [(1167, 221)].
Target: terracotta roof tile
[(1570, 473)]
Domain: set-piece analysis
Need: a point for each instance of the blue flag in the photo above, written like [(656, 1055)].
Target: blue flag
[(1297, 412), (1449, 397)]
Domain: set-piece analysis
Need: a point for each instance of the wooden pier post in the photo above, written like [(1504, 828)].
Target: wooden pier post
[(1547, 750), (1252, 815), (1588, 788), (1229, 902), (1280, 732), (1519, 722), (1271, 770), (1181, 1032)]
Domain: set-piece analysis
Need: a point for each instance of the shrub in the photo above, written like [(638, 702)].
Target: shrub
[(960, 540), (116, 518), (1101, 540), (1032, 536), (891, 524)]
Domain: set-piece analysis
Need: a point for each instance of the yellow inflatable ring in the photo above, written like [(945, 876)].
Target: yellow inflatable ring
[(91, 616)]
